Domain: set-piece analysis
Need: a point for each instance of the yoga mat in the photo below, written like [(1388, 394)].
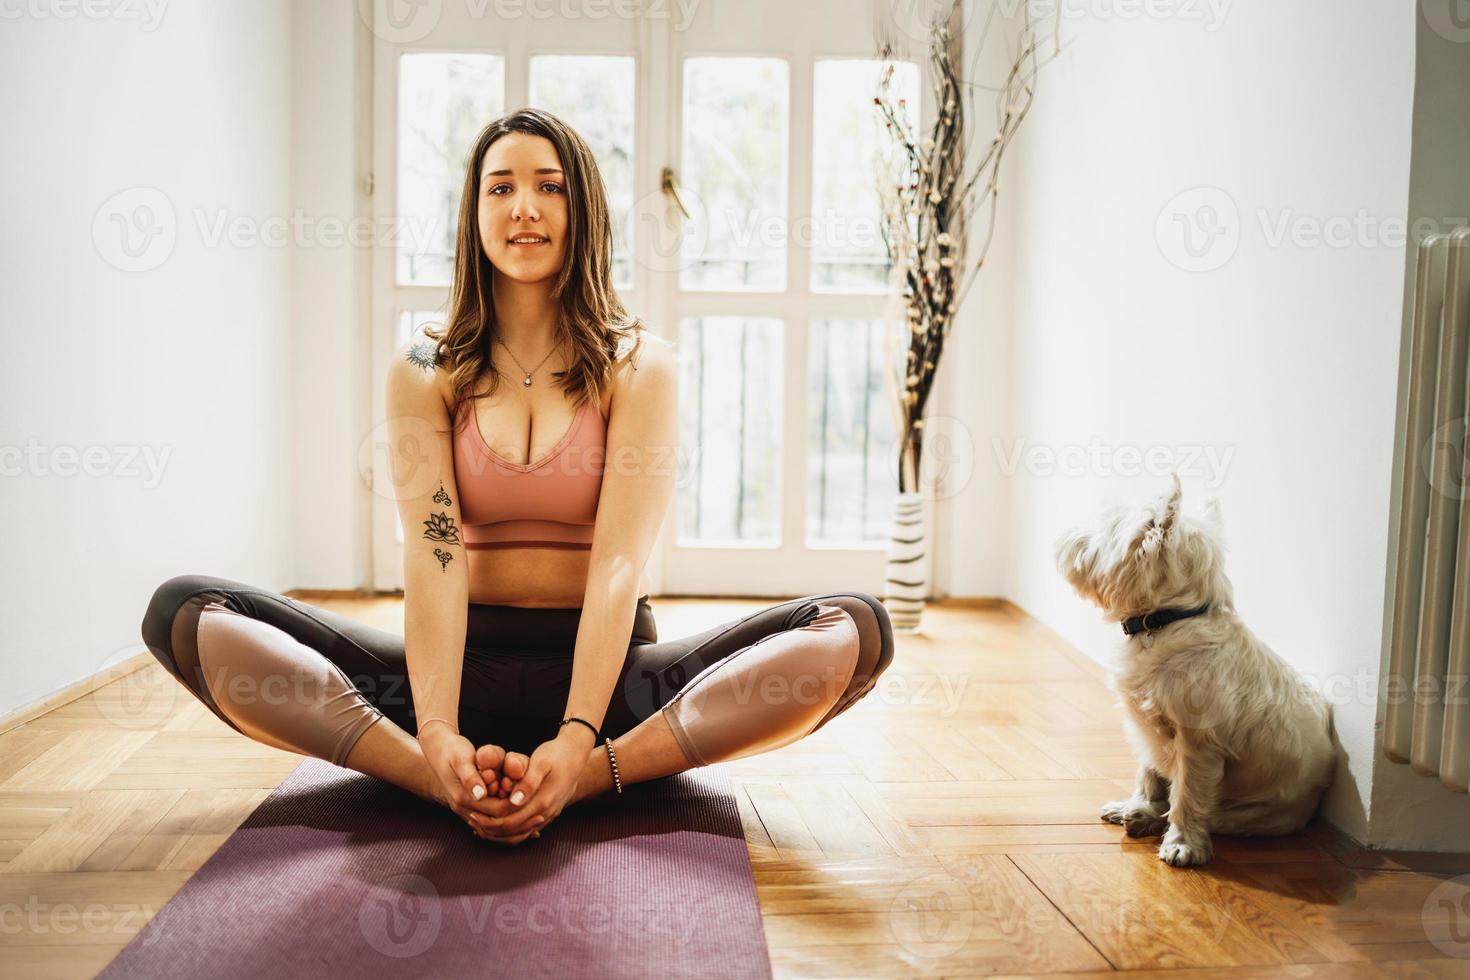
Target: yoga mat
[(338, 873)]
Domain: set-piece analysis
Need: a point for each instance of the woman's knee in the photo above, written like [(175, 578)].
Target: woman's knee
[(875, 648), (168, 639), (875, 635)]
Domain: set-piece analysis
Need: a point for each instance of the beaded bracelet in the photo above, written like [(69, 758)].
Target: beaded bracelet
[(613, 761)]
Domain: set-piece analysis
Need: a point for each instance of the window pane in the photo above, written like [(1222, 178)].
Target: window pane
[(734, 160), (852, 472), (444, 100), (410, 322), (594, 94), (850, 149), (730, 371)]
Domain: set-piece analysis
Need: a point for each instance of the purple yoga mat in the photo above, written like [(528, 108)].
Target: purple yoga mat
[(337, 873)]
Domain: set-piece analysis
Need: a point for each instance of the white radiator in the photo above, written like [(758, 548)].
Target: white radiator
[(1427, 720)]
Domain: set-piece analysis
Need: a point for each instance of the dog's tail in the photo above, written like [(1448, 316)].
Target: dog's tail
[(1329, 724)]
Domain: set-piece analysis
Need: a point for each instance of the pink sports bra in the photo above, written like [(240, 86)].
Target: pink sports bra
[(551, 503)]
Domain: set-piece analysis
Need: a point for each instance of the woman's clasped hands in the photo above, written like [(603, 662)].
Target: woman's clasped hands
[(459, 781), (503, 796), (529, 794)]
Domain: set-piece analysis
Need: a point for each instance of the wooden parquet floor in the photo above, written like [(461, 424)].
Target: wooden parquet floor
[(947, 825)]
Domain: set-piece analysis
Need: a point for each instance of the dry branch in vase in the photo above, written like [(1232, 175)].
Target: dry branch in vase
[(930, 196)]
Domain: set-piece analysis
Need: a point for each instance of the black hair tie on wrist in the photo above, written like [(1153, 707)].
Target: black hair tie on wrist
[(595, 733)]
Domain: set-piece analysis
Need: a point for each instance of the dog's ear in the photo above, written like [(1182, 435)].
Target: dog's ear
[(1145, 540), (1212, 512), (1068, 551), (1168, 510)]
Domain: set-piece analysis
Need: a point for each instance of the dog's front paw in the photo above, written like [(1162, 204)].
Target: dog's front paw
[(1144, 823), (1139, 818), (1183, 851)]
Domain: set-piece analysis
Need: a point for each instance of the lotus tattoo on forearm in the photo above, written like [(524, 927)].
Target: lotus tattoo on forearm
[(441, 527)]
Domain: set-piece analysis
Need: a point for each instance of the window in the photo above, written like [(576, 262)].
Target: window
[(850, 149), (735, 124), (444, 101), (594, 95), (852, 468), (730, 413)]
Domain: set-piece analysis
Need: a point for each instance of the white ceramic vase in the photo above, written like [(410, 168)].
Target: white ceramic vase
[(907, 571)]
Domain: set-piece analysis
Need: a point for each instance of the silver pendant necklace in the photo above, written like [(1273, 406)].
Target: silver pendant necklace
[(526, 381)]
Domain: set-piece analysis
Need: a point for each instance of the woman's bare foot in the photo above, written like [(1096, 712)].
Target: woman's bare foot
[(647, 752), (596, 777), (491, 761), (501, 770)]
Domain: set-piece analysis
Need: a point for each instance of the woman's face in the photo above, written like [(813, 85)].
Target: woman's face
[(523, 192)]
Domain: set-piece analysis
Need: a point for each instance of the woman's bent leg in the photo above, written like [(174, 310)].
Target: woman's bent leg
[(288, 674), (747, 686), (276, 689), (767, 694)]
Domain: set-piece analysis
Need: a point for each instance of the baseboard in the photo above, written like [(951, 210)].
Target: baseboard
[(1353, 853), (77, 689), (336, 594)]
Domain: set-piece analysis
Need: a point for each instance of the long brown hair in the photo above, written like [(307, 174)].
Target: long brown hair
[(593, 321)]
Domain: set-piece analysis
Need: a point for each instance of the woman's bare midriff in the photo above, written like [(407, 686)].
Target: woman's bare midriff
[(542, 578)]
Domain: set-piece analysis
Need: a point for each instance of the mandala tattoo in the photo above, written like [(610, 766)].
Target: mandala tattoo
[(444, 558), (440, 527), (441, 497), (422, 355)]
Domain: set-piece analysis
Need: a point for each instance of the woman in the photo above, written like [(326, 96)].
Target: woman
[(533, 453)]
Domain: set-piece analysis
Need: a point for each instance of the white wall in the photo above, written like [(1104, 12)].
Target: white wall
[(330, 77), (190, 357), (973, 390), (1281, 357)]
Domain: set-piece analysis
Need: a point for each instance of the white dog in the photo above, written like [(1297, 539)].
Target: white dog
[(1229, 738)]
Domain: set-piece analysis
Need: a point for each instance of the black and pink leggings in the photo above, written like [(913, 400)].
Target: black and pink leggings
[(312, 681)]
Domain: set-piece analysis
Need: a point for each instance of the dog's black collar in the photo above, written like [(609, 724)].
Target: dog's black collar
[(1159, 618)]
